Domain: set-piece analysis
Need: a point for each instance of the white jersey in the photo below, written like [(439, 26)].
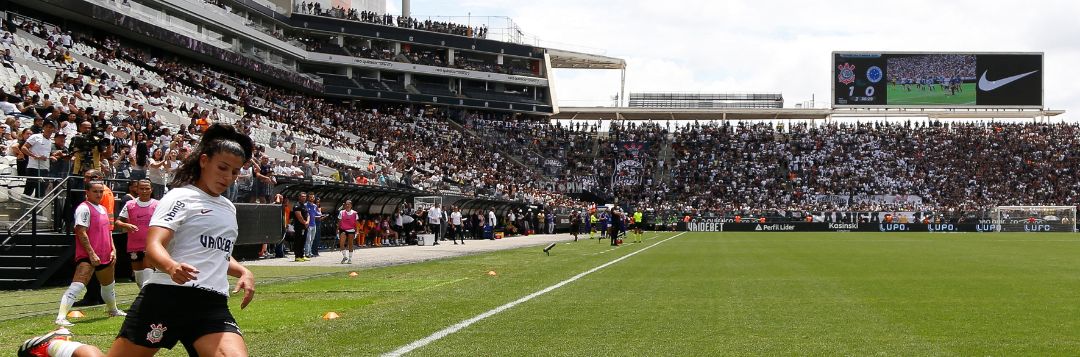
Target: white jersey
[(434, 215), (204, 231), (455, 218)]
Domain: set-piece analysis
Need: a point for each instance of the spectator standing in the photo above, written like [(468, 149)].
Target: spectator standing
[(434, 215), (550, 222), (298, 233), (575, 224), (158, 172), (21, 160), (456, 230), (60, 160), (311, 248), (38, 150)]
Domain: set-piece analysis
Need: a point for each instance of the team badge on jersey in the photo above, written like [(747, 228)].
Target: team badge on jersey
[(847, 73), (157, 331)]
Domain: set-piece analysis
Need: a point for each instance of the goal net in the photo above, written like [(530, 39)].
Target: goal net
[(1034, 218)]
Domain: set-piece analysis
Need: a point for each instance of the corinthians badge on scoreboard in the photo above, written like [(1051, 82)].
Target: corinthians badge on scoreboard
[(847, 73)]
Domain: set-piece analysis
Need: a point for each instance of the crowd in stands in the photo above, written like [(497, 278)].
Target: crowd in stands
[(955, 167), (378, 50), (315, 8), (426, 152), (760, 167)]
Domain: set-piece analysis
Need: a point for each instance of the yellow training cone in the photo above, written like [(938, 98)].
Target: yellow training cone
[(492, 273), (330, 316), (353, 274), (76, 314)]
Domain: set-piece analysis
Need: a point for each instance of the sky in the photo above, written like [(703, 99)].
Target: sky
[(773, 46)]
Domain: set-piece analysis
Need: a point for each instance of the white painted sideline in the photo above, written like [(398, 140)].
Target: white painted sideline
[(461, 325)]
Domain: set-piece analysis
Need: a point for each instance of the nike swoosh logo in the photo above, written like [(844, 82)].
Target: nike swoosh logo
[(205, 211), (988, 85)]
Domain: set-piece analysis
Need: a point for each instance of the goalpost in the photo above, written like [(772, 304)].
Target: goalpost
[(1034, 218)]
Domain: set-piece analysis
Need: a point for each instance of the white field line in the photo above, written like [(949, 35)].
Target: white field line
[(463, 324)]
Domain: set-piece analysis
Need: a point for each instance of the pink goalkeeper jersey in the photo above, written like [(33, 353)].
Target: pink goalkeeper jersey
[(347, 220), (139, 216), (99, 234)]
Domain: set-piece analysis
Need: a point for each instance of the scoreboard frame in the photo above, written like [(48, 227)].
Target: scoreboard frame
[(834, 84)]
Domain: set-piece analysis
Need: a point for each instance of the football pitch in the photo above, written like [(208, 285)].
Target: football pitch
[(689, 294), (897, 95)]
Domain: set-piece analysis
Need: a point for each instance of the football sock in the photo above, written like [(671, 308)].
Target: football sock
[(63, 348), (108, 293), (73, 292)]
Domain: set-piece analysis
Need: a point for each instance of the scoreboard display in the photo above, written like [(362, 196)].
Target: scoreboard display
[(892, 79)]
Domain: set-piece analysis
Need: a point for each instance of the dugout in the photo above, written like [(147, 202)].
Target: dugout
[(367, 199), (472, 205)]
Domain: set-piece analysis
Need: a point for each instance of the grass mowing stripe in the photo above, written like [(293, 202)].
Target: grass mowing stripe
[(444, 283), (461, 325)]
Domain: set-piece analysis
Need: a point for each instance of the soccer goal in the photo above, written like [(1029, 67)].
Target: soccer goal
[(1034, 218)]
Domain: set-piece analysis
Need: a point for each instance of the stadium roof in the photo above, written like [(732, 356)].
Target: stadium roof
[(622, 113), (570, 59)]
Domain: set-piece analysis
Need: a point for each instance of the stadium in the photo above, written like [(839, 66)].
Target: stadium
[(346, 178)]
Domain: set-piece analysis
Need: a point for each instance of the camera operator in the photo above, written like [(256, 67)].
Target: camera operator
[(88, 147)]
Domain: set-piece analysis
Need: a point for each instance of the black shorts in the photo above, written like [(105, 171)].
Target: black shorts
[(347, 233), (137, 256), (97, 268), (163, 315)]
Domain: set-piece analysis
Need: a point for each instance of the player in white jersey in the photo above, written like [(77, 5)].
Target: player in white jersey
[(190, 243)]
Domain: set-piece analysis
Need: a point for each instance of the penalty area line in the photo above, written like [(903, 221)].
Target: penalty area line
[(438, 335)]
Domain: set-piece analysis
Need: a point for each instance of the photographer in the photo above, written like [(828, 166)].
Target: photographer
[(88, 148)]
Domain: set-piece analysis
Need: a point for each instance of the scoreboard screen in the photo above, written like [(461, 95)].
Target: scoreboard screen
[(892, 79)]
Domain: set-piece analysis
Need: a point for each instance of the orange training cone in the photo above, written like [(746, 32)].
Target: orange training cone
[(76, 314), (330, 316), (492, 273), (353, 274)]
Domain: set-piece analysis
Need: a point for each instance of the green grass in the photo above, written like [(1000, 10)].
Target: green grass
[(697, 294), (897, 95)]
